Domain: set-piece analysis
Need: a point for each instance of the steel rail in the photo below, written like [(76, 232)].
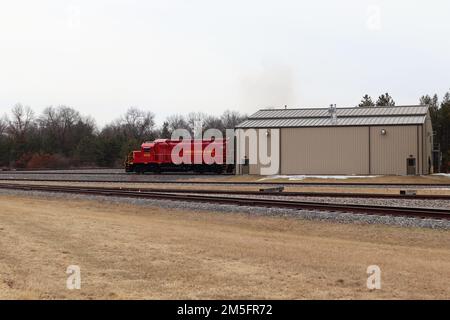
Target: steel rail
[(105, 173), (252, 202), (296, 193)]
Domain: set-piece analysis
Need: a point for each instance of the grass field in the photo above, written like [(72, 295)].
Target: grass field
[(127, 251)]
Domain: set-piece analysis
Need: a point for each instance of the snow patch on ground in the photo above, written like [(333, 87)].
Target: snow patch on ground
[(447, 175), (302, 177)]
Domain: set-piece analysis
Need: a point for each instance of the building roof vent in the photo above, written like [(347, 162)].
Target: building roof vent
[(333, 115)]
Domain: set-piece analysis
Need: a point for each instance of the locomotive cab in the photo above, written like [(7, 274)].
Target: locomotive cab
[(147, 149), (138, 160)]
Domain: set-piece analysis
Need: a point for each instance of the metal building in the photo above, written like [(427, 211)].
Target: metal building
[(347, 141)]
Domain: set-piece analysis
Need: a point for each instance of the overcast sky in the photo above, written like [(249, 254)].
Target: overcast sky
[(177, 56)]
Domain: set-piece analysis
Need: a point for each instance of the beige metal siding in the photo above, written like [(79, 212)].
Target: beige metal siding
[(420, 151), (253, 168), (256, 168), (345, 150), (330, 150), (389, 152), (427, 146)]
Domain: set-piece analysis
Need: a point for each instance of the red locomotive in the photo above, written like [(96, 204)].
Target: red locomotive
[(180, 155)]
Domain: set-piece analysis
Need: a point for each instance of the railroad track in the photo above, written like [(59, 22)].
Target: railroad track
[(4, 173), (293, 193), (104, 173), (236, 183), (252, 202), (286, 193)]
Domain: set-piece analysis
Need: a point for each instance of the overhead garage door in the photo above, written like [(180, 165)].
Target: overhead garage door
[(329, 150)]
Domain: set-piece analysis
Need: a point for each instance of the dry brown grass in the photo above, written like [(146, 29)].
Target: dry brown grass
[(127, 251)]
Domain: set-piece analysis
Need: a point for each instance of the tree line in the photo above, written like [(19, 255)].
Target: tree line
[(61, 137)]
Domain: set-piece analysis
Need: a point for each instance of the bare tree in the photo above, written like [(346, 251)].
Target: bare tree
[(213, 122), (138, 124), (228, 120), (3, 125), (21, 121), (231, 119), (195, 117), (59, 120), (175, 122), (62, 128)]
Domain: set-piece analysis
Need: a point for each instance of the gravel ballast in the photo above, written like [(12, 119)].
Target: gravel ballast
[(416, 203)]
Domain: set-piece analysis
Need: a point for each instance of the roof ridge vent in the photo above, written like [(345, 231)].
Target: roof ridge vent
[(333, 114)]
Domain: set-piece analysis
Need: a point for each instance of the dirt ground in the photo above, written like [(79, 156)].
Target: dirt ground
[(127, 251)]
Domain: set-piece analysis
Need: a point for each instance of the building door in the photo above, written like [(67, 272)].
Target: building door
[(245, 166), (411, 166)]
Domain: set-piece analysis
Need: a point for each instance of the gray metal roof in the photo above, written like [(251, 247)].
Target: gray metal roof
[(341, 112), (323, 122), (270, 118)]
